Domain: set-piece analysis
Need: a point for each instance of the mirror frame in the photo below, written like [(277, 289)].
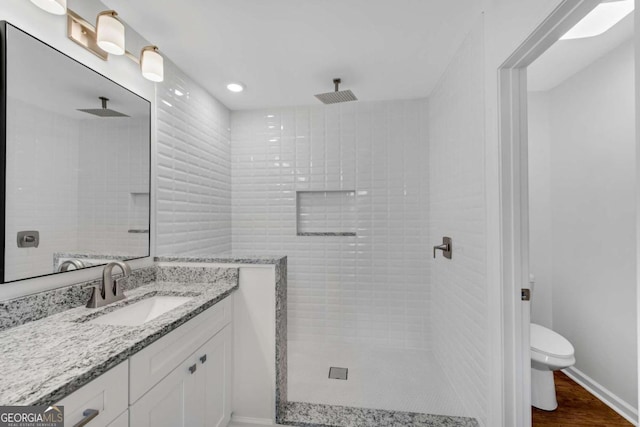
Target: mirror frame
[(3, 148)]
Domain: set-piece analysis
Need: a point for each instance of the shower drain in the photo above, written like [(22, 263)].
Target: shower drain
[(338, 373)]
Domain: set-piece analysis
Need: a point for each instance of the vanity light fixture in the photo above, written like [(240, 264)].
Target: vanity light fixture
[(110, 32), (152, 64), (57, 7), (600, 19), (235, 87), (107, 37)]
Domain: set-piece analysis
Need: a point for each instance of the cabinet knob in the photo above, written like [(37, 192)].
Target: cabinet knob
[(192, 368), (203, 358)]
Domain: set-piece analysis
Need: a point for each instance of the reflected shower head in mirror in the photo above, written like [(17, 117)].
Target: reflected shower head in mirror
[(104, 111)]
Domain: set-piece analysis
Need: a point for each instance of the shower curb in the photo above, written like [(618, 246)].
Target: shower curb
[(304, 414)]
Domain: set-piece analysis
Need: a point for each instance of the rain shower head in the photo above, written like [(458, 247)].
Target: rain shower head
[(336, 96), (104, 111)]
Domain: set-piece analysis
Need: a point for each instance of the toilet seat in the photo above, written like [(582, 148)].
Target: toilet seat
[(550, 343)]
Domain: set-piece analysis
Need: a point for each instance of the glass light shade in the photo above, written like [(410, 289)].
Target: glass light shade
[(57, 7), (600, 19), (110, 33), (152, 64)]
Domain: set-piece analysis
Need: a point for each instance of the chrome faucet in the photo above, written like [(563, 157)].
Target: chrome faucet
[(110, 290)]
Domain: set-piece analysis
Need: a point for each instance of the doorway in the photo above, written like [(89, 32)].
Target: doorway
[(516, 197)]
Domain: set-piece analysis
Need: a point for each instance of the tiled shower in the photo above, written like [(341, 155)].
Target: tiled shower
[(356, 195), (354, 168)]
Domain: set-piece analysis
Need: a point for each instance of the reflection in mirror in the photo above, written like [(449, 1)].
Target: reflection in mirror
[(77, 164)]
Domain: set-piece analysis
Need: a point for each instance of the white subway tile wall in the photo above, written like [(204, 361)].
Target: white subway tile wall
[(113, 186), (43, 197), (459, 318), (193, 168), (371, 288)]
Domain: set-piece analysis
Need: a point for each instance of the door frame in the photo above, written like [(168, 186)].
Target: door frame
[(514, 205)]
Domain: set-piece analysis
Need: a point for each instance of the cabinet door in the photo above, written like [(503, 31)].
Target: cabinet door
[(214, 377), (173, 402), (121, 421)]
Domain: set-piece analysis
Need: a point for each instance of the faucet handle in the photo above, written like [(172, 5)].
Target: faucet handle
[(96, 299), (118, 287)]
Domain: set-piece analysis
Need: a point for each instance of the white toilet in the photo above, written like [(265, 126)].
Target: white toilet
[(550, 352)]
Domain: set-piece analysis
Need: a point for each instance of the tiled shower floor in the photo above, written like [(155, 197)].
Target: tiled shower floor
[(380, 378)]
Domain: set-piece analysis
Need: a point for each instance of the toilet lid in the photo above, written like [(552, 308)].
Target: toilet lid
[(546, 341)]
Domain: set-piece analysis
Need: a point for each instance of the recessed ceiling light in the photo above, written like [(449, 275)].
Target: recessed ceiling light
[(235, 87), (178, 92), (600, 19)]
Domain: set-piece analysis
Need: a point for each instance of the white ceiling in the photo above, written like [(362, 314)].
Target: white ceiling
[(285, 51), (567, 57)]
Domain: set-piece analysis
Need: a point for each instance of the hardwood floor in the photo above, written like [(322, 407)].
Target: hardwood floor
[(576, 407)]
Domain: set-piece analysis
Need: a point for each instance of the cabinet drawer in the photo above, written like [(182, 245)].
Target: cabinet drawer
[(106, 394), (156, 361)]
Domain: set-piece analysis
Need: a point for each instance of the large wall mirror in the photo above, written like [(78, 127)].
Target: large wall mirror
[(76, 163)]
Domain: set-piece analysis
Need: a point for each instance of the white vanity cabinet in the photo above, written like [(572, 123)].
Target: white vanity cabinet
[(184, 379), (196, 393)]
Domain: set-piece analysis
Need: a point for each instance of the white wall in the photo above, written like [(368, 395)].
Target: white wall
[(592, 211), (540, 242), (194, 169), (459, 318), (372, 288)]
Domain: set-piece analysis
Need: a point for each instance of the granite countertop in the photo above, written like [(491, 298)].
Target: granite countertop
[(43, 361), (226, 258)]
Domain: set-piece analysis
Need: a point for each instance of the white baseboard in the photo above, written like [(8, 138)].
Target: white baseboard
[(611, 400), (251, 421)]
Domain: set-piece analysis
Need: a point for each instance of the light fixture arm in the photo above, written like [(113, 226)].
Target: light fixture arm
[(112, 13)]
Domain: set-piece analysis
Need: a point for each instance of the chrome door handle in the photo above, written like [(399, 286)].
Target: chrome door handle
[(203, 358), (192, 368), (88, 414)]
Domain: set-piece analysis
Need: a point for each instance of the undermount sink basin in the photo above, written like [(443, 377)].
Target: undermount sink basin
[(140, 312)]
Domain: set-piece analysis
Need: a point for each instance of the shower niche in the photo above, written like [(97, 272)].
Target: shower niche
[(326, 213), (76, 164)]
